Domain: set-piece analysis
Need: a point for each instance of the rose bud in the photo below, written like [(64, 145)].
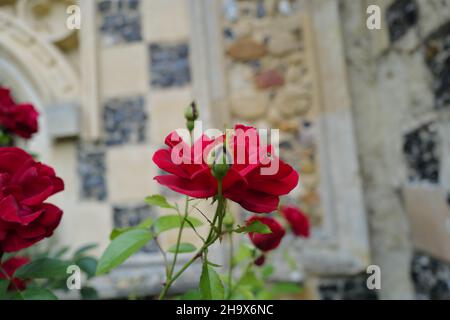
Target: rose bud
[(270, 241), (260, 260)]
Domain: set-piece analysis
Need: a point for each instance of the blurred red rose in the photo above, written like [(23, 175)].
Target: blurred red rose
[(9, 267), (270, 241), (297, 219), (19, 119), (24, 186), (245, 181)]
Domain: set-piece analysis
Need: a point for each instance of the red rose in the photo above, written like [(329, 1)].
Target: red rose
[(270, 241), (9, 267), (24, 186), (245, 181), (20, 119), (297, 219)]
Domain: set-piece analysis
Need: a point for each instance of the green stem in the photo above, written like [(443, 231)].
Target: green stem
[(230, 264), (180, 232), (212, 237), (232, 290)]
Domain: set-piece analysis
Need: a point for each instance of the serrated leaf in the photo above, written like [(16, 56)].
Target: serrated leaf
[(169, 222), (159, 201), (182, 248), (43, 268), (88, 265), (84, 249), (256, 227), (146, 224), (36, 294), (211, 286), (121, 248)]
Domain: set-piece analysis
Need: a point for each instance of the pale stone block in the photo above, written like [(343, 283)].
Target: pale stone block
[(165, 20), (168, 112), (63, 120), (63, 159), (124, 70), (130, 173), (85, 223)]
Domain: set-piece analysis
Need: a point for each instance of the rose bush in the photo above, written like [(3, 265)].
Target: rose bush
[(25, 185), (236, 166), (18, 119), (269, 241)]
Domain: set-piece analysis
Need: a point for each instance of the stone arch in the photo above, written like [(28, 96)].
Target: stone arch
[(36, 71)]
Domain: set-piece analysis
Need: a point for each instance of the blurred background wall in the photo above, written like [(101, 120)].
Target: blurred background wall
[(363, 115)]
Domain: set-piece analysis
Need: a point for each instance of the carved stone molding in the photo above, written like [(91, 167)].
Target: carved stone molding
[(45, 67), (48, 19)]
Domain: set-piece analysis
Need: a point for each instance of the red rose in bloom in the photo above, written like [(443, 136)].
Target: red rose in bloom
[(9, 267), (297, 219), (270, 241), (20, 119), (245, 182), (24, 186)]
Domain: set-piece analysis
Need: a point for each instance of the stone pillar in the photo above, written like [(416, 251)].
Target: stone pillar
[(377, 130)]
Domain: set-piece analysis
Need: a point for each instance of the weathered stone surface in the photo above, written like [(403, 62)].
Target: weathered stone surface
[(292, 101), (249, 105), (246, 49), (269, 79), (281, 43)]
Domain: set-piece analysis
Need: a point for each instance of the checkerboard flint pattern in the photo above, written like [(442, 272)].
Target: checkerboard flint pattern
[(127, 27)]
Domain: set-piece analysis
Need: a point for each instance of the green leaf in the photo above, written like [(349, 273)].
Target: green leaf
[(244, 252), (89, 293), (43, 268), (183, 248), (211, 286), (4, 284), (61, 252), (256, 227), (193, 294), (169, 222), (146, 224), (121, 248), (158, 200), (250, 279), (36, 294), (88, 265), (267, 271), (213, 264), (79, 253)]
